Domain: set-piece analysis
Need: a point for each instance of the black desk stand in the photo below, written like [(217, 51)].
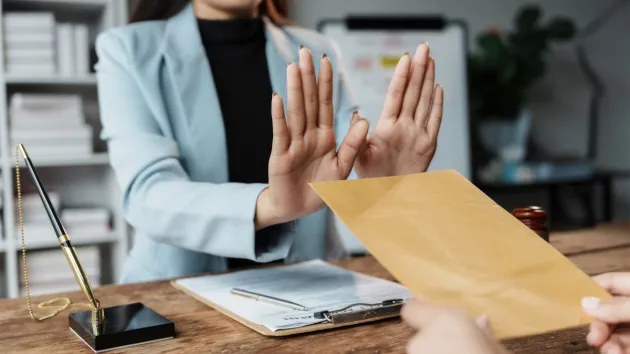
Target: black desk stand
[(120, 326)]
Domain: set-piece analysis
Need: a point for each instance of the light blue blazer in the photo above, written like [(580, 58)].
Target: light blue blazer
[(163, 127)]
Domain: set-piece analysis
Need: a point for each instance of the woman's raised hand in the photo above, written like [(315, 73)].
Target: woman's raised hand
[(304, 146), (404, 140)]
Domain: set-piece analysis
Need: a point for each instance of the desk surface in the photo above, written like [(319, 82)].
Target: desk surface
[(201, 329)]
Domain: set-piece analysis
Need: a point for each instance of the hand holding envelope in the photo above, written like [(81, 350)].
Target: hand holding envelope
[(436, 325), (450, 244)]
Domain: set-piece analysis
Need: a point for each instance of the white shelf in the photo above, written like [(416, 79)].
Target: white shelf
[(77, 240), (11, 79), (96, 159), (57, 2), (76, 6), (80, 181)]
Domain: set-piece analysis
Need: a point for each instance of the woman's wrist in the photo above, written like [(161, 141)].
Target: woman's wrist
[(265, 215)]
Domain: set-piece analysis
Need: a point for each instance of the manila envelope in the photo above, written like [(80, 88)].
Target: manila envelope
[(449, 243)]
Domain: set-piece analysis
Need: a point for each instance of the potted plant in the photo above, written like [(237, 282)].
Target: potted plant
[(501, 69)]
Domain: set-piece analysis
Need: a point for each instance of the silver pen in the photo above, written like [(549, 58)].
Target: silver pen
[(268, 299)]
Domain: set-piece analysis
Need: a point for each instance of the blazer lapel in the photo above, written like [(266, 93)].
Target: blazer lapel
[(190, 72), (283, 48), (280, 52), (190, 69)]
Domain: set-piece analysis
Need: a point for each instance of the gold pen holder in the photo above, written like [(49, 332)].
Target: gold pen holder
[(100, 328)]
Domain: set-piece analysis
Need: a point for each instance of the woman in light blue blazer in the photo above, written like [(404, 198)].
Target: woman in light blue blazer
[(165, 103)]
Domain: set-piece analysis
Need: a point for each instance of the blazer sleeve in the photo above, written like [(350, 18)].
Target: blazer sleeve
[(159, 199)]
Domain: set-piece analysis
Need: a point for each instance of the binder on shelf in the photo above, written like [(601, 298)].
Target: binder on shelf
[(28, 40), (33, 54), (65, 49), (31, 69), (46, 101), (17, 21), (29, 43), (81, 50)]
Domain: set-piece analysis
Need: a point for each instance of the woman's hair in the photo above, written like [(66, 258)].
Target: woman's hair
[(147, 10)]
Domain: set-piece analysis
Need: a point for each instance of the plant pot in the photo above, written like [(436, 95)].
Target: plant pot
[(506, 138)]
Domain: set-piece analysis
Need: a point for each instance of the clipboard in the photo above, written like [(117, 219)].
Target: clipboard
[(335, 317)]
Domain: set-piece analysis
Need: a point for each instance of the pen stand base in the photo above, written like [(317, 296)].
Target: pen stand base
[(120, 326)]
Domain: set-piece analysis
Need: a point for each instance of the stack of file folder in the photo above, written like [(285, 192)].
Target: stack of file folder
[(83, 224), (73, 50), (48, 271), (37, 45), (29, 43), (50, 125)]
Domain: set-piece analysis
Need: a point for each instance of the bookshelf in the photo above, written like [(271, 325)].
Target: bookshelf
[(88, 80), (98, 158), (82, 181)]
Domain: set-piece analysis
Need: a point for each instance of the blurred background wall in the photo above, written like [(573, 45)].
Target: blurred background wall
[(56, 84), (559, 102)]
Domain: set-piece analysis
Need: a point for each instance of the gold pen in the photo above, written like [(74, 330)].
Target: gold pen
[(62, 236)]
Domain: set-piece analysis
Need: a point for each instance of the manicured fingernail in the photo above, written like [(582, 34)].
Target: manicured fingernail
[(590, 304), (355, 117), (406, 53), (427, 43), (291, 63), (324, 55), (274, 94), (302, 46)]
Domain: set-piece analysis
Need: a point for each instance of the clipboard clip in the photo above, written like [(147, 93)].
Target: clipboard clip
[(367, 311)]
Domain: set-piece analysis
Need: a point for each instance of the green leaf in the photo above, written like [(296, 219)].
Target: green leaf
[(508, 72), (532, 70), (561, 29), (528, 17), (507, 104), (533, 44), (492, 49)]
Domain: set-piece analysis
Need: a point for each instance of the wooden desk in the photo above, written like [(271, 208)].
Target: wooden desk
[(201, 329)]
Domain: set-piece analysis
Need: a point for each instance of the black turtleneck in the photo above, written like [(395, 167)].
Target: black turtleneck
[(236, 52)]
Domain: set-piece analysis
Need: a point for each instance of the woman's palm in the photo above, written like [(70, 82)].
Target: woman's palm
[(304, 150), (404, 140)]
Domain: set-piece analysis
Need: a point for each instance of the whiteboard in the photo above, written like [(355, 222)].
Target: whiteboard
[(368, 59)]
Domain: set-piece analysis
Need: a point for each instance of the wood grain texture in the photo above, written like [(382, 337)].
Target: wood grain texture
[(607, 236), (201, 329)]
